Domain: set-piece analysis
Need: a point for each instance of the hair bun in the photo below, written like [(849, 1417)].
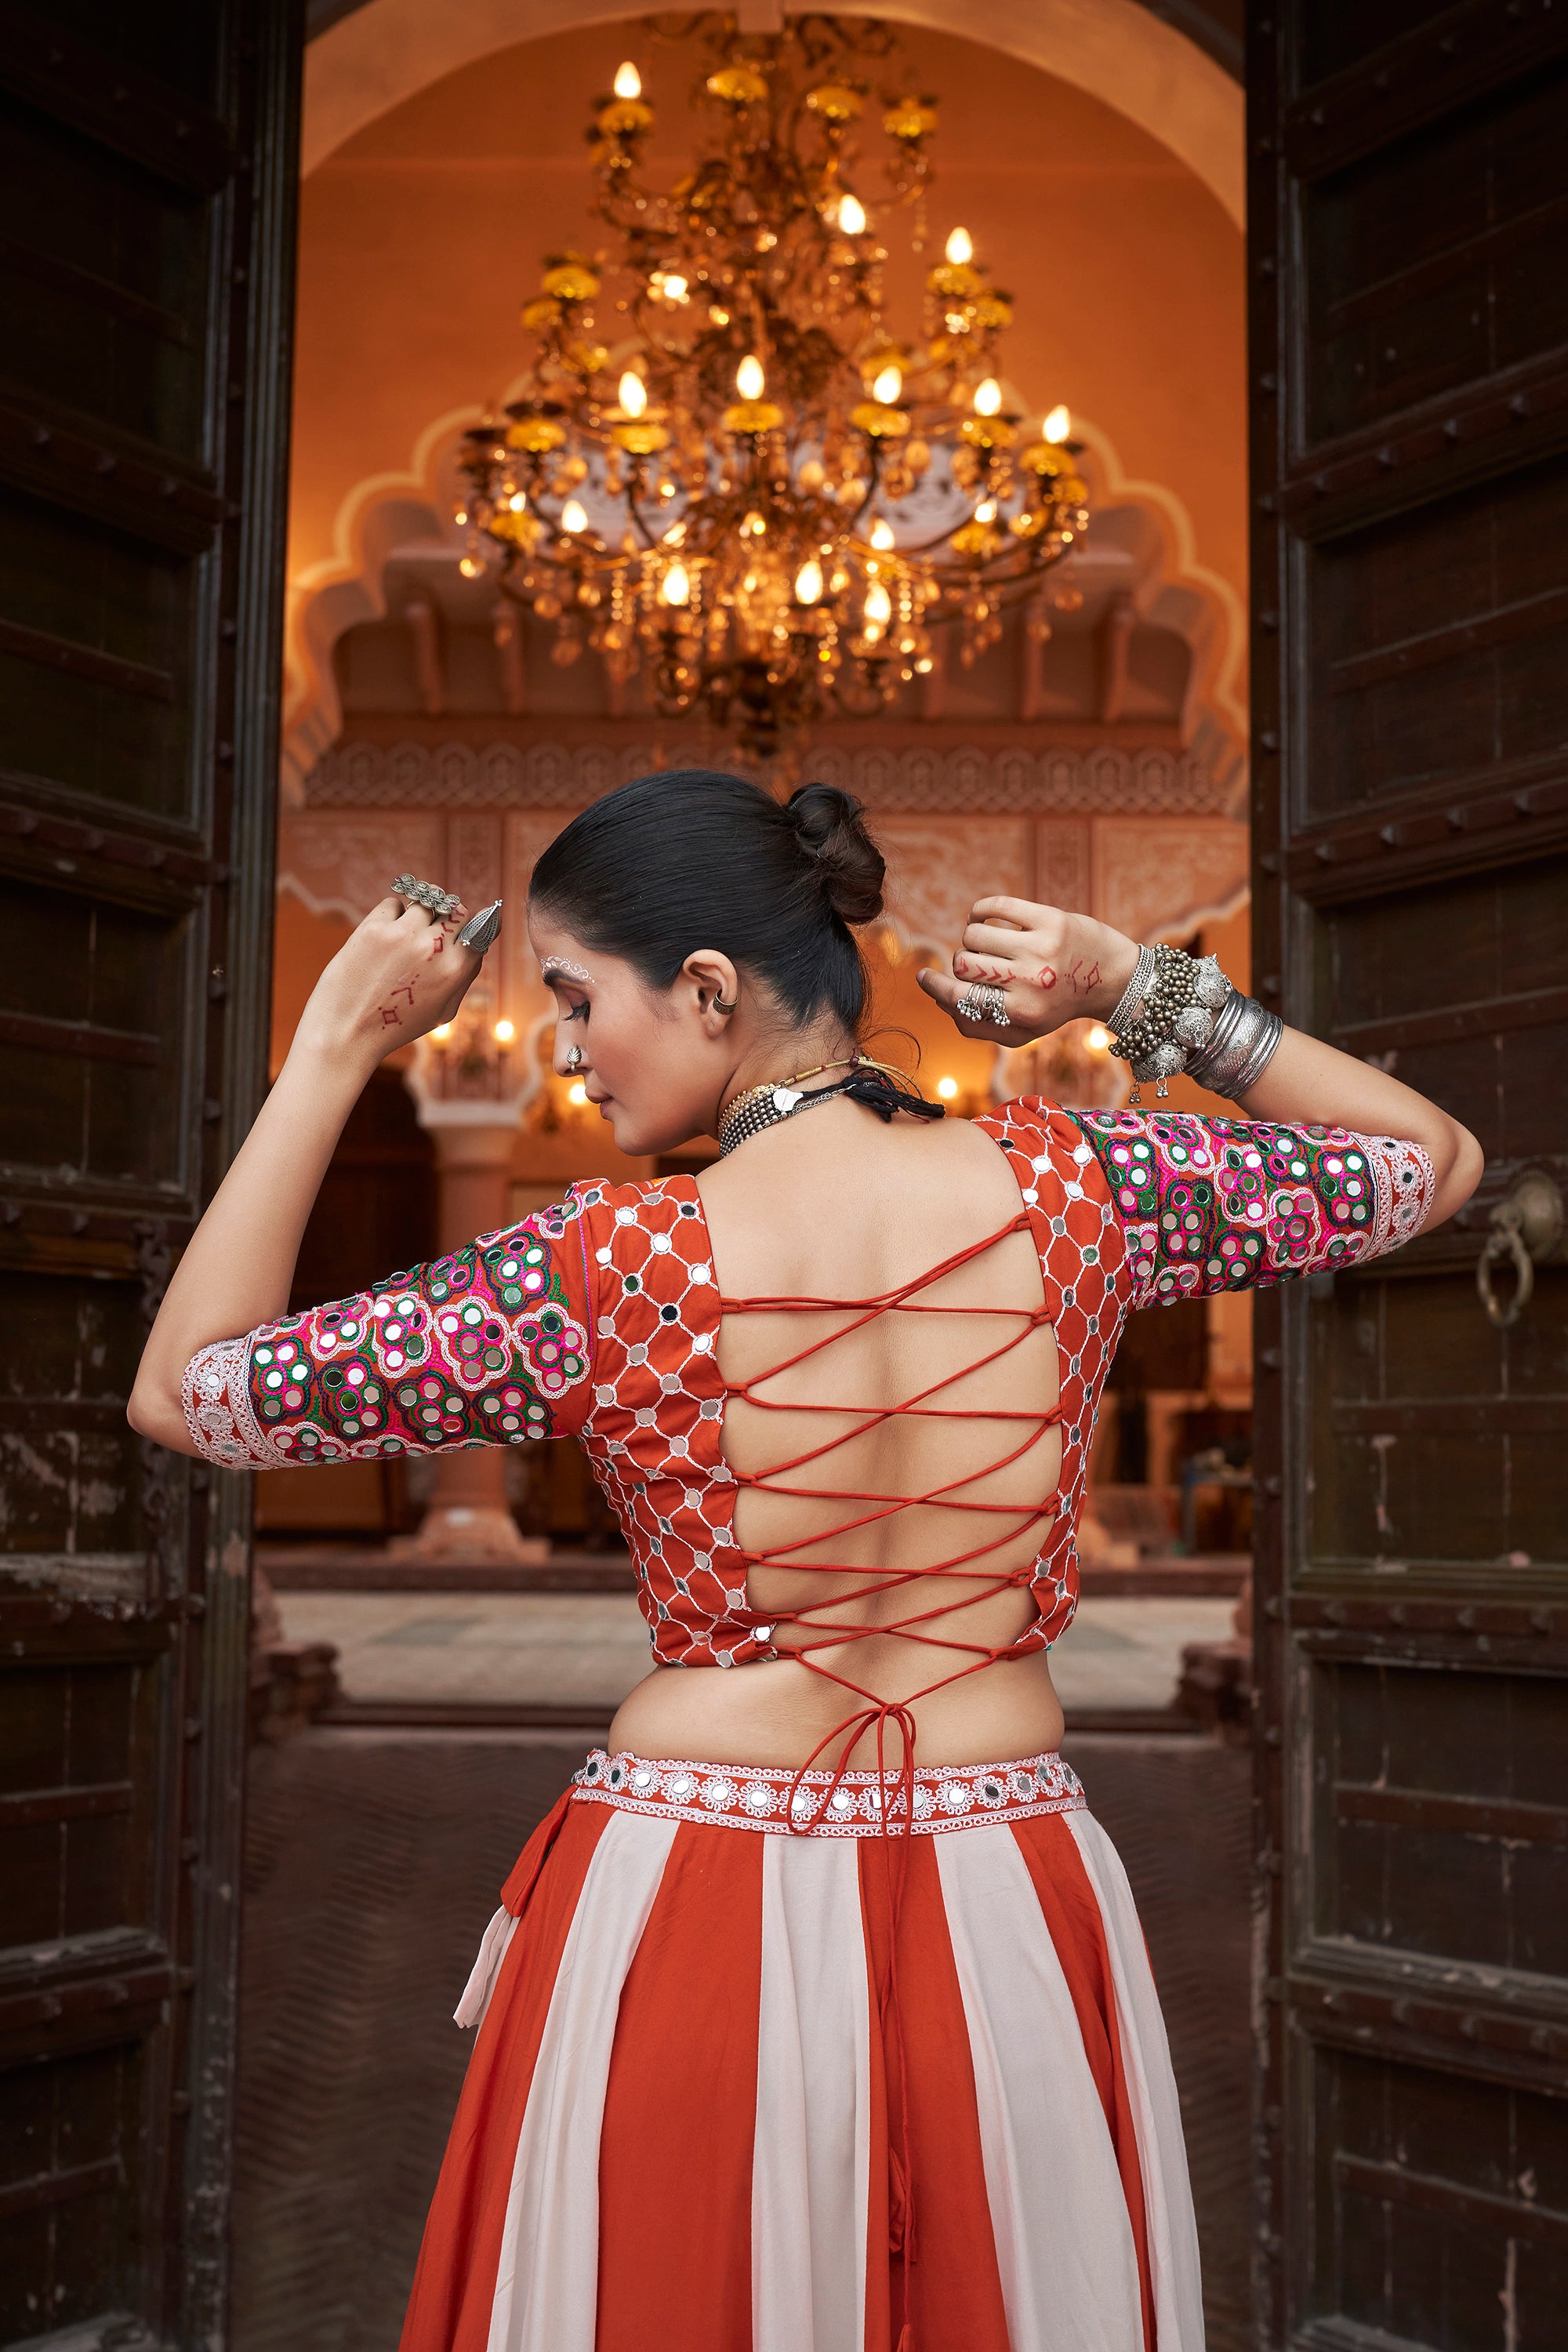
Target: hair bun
[(848, 866)]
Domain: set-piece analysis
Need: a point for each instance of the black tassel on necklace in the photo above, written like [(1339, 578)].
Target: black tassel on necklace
[(870, 1084)]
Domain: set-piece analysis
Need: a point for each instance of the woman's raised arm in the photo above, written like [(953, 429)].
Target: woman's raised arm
[(399, 974), (1054, 967)]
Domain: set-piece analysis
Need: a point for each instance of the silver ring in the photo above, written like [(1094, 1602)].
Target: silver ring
[(429, 895), (574, 1058), (982, 1000)]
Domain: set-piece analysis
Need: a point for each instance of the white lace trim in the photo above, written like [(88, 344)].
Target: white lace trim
[(1406, 1186), (215, 1395)]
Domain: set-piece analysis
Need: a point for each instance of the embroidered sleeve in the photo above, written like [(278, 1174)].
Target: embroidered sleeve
[(489, 1347), (1212, 1204)]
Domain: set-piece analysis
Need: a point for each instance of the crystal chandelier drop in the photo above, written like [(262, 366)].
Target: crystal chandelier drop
[(726, 472)]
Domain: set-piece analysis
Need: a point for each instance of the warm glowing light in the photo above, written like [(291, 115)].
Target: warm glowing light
[(888, 385), (1058, 424), (987, 510), (440, 1033), (959, 247), (628, 82), (851, 216), (1099, 1039), (470, 566), (460, 517), (675, 289), (577, 1095), (750, 381), (808, 582), (947, 1088), (987, 397), (503, 1033), (675, 588), (573, 516), (879, 606), (882, 533), (634, 393), (675, 534)]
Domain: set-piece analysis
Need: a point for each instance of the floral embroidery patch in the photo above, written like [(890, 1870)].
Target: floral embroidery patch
[(1212, 1204), (483, 1347)]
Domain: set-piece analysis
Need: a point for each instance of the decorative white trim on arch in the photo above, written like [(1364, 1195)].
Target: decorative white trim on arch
[(394, 510), (1117, 50)]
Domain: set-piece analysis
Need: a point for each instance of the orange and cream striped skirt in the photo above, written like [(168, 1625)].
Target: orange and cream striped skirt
[(780, 2062)]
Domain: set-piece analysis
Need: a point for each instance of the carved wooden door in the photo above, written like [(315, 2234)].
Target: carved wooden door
[(1409, 359), (147, 157)]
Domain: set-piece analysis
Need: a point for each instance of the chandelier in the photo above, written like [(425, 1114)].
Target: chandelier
[(726, 473)]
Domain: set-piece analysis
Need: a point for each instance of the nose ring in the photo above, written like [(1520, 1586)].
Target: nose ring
[(574, 1058)]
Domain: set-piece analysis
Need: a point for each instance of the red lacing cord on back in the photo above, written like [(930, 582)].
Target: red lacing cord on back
[(874, 1717)]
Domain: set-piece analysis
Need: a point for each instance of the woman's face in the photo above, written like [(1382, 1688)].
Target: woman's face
[(656, 1062)]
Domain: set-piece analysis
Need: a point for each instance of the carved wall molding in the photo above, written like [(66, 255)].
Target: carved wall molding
[(1152, 878), (1013, 781)]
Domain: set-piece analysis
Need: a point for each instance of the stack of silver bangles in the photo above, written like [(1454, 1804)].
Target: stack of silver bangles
[(1179, 1013)]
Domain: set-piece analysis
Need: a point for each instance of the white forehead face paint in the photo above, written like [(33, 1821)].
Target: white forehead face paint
[(557, 964)]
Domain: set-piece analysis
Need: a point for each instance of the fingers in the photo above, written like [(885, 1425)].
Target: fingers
[(1022, 913), (991, 940)]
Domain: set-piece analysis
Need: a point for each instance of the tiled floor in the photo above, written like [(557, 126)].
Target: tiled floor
[(372, 1866), (543, 1649)]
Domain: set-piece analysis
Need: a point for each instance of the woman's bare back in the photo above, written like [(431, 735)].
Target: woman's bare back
[(834, 1205)]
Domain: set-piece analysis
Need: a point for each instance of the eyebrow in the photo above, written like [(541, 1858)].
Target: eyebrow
[(556, 966)]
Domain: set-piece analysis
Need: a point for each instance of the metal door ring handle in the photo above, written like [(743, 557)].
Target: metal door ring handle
[(1526, 1226), (1505, 1239)]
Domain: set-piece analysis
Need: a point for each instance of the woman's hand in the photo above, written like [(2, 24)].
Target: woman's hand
[(1052, 968), (400, 974)]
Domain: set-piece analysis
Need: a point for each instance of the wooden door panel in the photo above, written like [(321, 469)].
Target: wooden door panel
[(1427, 2236), (1410, 487), (113, 276), (98, 648), (148, 176), (1437, 260), (1430, 1843), (1439, 643)]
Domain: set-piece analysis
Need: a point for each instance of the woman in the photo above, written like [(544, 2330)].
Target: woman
[(891, 2072)]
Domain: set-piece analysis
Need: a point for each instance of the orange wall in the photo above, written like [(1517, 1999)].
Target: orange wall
[(420, 238)]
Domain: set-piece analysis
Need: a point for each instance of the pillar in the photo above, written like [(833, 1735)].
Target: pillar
[(470, 1518)]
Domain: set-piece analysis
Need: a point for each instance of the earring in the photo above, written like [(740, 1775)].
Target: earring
[(720, 1005), (574, 1058)]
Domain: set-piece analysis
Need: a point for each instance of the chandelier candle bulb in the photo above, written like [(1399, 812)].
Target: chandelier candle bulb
[(882, 534), (675, 588), (851, 216), (628, 82), (1058, 424), (503, 1033), (987, 397), (633, 393), (960, 247), (808, 582), (879, 606), (888, 385), (574, 517), (750, 381)]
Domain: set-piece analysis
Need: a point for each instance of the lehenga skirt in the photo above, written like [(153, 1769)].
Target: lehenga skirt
[(717, 2104)]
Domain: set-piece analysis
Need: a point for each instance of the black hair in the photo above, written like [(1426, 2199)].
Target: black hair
[(697, 859)]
